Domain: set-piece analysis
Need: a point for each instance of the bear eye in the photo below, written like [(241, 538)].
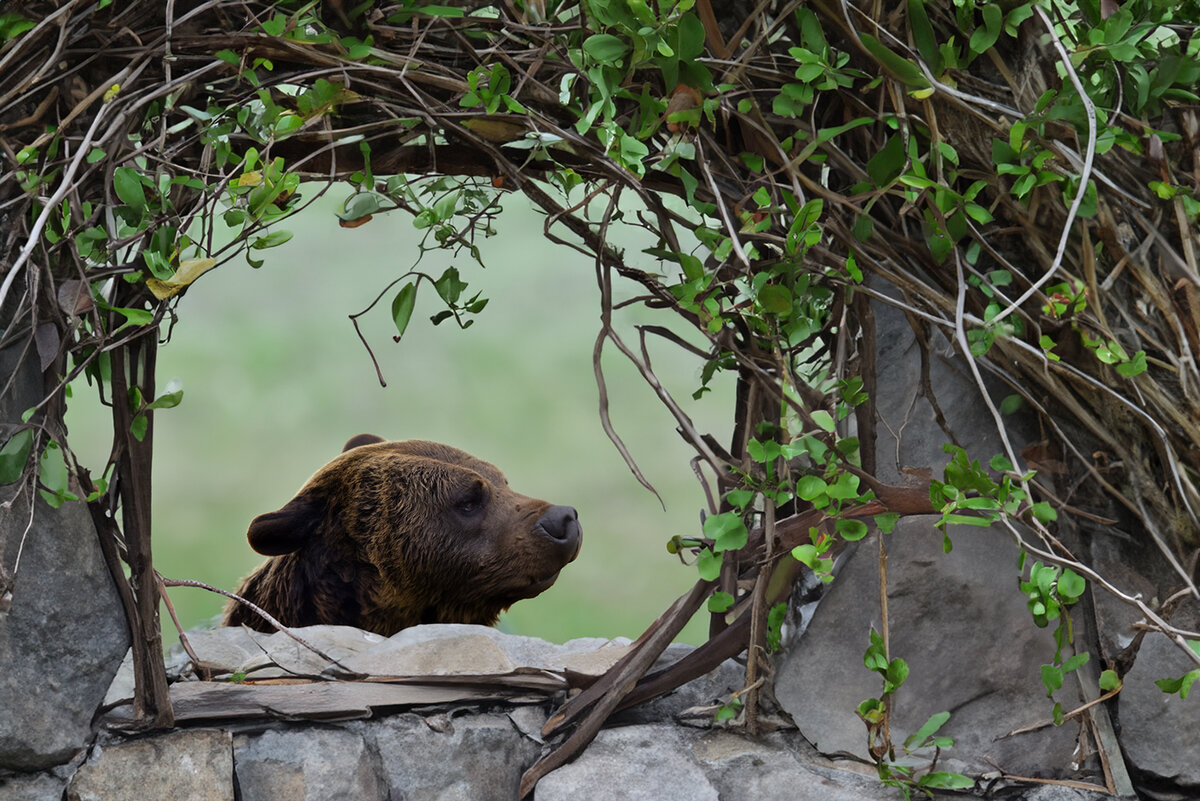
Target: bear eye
[(472, 501)]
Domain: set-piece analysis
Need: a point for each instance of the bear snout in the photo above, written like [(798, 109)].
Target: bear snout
[(561, 524)]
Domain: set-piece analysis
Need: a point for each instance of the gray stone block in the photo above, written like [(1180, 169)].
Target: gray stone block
[(451, 758), (306, 764), (972, 649), (32, 787), (62, 640), (648, 762), (193, 765), (1160, 732), (768, 770)]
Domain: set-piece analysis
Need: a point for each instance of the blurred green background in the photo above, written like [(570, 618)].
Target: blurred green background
[(275, 380)]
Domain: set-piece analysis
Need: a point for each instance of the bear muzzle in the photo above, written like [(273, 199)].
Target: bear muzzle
[(560, 524)]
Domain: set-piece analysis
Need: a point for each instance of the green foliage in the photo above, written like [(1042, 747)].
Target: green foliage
[(53, 477), (775, 619), (874, 712), (787, 190), (1049, 591), (14, 455), (1182, 685)]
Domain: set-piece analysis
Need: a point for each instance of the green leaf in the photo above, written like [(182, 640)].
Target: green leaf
[(1181, 685), (708, 564), (402, 308), (14, 455), (807, 555), (845, 488), (810, 487), (886, 522), (1109, 681), (1075, 662), (1052, 677), (739, 498), (128, 186), (275, 26), (727, 712), (1011, 404), (886, 165), (871, 710), (139, 426), (824, 419), (775, 299), (135, 316), (727, 530), (935, 722), (986, 36), (605, 48), (897, 674), (271, 240), (758, 450), (360, 205), (775, 618), (52, 470), (1000, 463), (172, 396), (449, 286), (720, 602), (851, 530), (691, 37), (922, 32), (1071, 585), (951, 781), (1135, 366), (908, 72), (1044, 512)]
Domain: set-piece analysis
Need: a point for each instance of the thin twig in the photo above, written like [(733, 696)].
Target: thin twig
[(258, 610), (1085, 173)]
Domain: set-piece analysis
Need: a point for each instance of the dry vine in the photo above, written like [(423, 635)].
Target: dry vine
[(792, 160)]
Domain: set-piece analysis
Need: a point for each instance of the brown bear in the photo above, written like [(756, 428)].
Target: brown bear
[(392, 534)]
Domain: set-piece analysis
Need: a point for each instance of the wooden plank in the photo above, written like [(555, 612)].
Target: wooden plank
[(200, 700)]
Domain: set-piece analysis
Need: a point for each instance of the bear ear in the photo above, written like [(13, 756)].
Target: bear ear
[(284, 531), (362, 439)]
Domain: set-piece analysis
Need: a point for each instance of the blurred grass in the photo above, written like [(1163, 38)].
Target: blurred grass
[(275, 380)]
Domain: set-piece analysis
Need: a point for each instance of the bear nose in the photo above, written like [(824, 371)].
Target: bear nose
[(560, 523)]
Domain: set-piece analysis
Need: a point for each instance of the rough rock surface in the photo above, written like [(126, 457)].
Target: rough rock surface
[(193, 765), (437, 649), (648, 763), (32, 787), (971, 649), (1159, 732), (310, 764), (957, 619), (654, 761), (453, 758), (64, 637)]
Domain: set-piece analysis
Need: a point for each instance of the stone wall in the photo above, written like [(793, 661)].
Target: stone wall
[(291, 726), (455, 712)]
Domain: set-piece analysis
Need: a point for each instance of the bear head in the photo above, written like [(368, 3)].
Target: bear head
[(392, 534)]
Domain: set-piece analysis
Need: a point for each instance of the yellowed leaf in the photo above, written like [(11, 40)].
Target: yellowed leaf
[(189, 270), (496, 128)]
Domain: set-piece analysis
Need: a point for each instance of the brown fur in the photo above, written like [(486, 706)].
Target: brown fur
[(392, 534)]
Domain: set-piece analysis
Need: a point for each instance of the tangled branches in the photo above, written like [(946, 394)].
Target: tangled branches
[(792, 162)]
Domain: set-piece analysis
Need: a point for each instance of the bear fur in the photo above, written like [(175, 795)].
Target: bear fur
[(392, 534)]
